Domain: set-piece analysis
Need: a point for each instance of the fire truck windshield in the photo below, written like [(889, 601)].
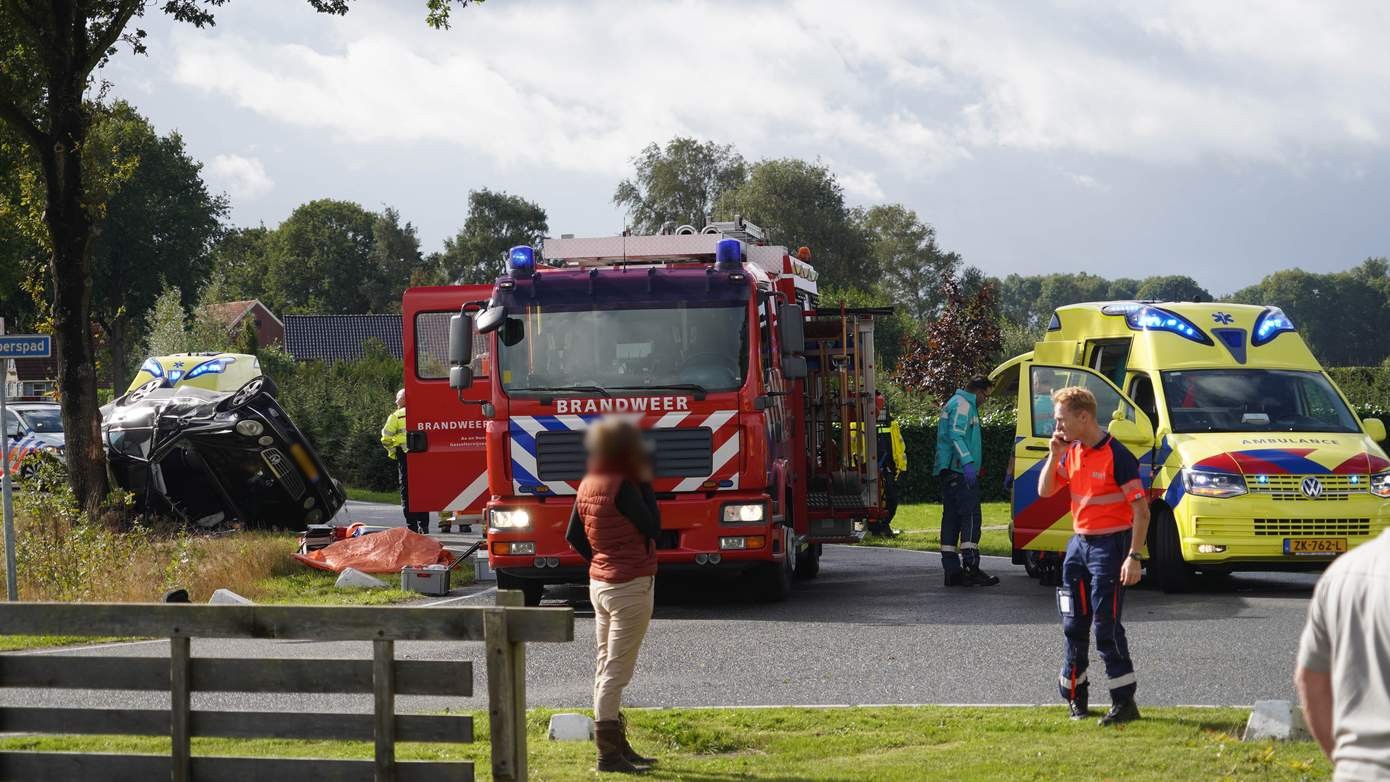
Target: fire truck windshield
[(592, 350)]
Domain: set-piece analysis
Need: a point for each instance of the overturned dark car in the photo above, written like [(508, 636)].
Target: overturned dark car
[(215, 458)]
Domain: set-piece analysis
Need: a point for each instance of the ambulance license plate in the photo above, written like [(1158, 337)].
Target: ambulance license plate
[(1315, 546)]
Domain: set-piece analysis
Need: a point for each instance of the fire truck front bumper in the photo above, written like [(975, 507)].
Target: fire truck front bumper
[(694, 538)]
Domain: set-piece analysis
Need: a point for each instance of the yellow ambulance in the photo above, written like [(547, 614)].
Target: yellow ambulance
[(208, 371), (1253, 458)]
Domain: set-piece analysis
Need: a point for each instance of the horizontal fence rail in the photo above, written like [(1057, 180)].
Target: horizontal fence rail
[(504, 629)]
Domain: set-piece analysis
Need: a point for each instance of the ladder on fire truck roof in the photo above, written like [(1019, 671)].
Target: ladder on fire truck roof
[(683, 243)]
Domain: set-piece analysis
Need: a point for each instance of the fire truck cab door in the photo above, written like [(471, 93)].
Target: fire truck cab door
[(446, 456)]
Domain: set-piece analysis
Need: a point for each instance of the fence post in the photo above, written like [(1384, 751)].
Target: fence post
[(506, 672), (180, 685), (384, 697), (515, 598)]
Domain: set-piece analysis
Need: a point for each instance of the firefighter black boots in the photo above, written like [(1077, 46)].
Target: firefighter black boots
[(608, 735), (1124, 711)]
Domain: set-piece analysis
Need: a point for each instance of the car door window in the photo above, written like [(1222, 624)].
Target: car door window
[(1109, 403), (1141, 390)]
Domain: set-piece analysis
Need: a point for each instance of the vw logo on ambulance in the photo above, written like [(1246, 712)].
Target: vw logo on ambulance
[(1312, 487)]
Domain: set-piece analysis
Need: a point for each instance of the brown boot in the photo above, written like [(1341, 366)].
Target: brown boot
[(608, 735), (628, 751)]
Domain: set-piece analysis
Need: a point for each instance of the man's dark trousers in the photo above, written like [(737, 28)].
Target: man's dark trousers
[(960, 522), (1092, 593), (417, 522)]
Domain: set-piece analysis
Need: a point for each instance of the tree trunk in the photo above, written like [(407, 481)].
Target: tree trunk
[(118, 341), (70, 230)]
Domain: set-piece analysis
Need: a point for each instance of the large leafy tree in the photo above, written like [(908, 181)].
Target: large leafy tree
[(1343, 316), (49, 50), (1174, 287), (802, 203), (912, 263), (159, 225), (679, 183), (496, 222)]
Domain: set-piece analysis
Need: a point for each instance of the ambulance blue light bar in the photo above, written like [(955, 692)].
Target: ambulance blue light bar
[(728, 255), (1159, 319), (214, 367), (1271, 323), (521, 261)]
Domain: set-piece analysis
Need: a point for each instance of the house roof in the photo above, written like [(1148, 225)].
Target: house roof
[(29, 369), (230, 313), (340, 337)]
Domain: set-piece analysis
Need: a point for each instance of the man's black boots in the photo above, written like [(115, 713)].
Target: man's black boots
[(1079, 708), (1121, 712), (974, 576)]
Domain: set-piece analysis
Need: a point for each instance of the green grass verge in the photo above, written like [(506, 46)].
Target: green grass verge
[(885, 743), (391, 497), (920, 524)]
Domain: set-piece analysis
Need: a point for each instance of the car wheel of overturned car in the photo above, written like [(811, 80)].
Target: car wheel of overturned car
[(1166, 565), (246, 393), (139, 394), (531, 590)]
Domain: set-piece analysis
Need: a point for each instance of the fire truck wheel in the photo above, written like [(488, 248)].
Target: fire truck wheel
[(808, 561), (531, 590), (1166, 565), (777, 576)]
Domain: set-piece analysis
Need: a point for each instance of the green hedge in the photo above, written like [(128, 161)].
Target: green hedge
[(340, 407), (919, 435), (1368, 388)]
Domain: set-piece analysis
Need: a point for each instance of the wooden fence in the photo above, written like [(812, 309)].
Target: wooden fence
[(504, 629)]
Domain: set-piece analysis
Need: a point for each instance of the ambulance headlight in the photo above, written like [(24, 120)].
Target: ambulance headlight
[(744, 513), (1213, 484), (1380, 485), (510, 519)]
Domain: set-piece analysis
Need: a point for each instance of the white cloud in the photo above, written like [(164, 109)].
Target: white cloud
[(899, 86), (241, 177), (1089, 182)]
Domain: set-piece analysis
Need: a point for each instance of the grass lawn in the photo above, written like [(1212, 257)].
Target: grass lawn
[(920, 525), (882, 743), (391, 497)]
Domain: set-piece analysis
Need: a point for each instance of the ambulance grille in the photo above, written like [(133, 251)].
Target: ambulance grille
[(677, 453), (1290, 487), (1284, 528)]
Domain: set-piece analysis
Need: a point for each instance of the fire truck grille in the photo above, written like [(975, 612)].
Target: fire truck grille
[(677, 453)]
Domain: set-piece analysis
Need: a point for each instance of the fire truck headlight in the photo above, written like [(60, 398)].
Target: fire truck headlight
[(510, 519), (1213, 484), (742, 543), (1380, 485), (744, 513)]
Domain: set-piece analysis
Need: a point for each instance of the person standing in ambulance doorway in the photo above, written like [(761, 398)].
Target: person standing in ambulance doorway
[(959, 448), (393, 440), (1110, 516)]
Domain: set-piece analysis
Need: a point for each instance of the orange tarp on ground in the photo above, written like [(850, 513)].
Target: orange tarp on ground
[(379, 552)]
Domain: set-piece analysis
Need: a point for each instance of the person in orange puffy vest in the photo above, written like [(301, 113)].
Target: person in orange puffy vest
[(614, 526)]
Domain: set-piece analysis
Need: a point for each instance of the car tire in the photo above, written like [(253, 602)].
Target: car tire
[(246, 393), (1169, 571), (139, 394), (531, 590), (808, 561)]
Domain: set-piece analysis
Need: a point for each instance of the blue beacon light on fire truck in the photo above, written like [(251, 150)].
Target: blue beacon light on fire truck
[(521, 261), (728, 255)]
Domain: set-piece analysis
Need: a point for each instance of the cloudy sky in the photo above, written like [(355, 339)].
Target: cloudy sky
[(1216, 139)]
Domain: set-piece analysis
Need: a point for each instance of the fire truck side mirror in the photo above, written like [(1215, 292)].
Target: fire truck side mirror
[(791, 331), (794, 367), (460, 350)]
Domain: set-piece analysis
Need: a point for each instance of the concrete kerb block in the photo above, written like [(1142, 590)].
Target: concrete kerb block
[(571, 727), (1278, 720), (352, 578), (226, 597)]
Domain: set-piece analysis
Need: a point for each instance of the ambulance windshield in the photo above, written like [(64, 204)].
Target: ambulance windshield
[(695, 346), (1254, 400)]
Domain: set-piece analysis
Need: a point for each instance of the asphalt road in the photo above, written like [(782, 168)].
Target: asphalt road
[(876, 627)]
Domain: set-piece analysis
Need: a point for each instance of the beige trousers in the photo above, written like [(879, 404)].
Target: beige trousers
[(621, 615)]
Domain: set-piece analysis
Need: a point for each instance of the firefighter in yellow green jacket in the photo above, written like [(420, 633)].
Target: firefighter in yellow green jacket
[(892, 463), (393, 440)]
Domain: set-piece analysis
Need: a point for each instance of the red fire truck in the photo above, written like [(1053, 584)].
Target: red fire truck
[(752, 398)]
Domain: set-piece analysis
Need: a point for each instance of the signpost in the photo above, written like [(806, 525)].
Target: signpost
[(12, 347)]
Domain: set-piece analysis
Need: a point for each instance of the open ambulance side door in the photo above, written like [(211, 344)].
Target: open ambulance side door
[(1044, 523), (445, 443)]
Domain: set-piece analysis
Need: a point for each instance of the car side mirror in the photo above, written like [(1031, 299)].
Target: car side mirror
[(794, 367), (1375, 428), (1131, 433), (791, 329)]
